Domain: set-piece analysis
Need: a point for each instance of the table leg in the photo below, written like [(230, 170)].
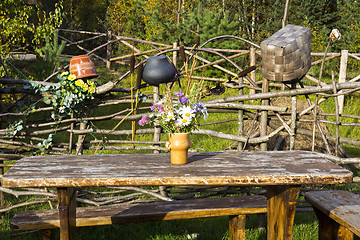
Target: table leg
[(281, 204), (67, 213)]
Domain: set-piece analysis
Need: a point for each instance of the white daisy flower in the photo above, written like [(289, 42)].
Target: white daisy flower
[(184, 121), (170, 116), (187, 112)]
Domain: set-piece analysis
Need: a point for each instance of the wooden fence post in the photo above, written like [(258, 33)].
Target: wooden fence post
[(241, 116), (293, 118), (342, 76), (81, 139), (175, 54), (252, 56), (264, 115), (71, 137), (157, 132), (108, 50)]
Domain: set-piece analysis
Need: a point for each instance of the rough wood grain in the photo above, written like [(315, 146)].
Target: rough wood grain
[(281, 202), (341, 206), (331, 230), (216, 168), (237, 227), (157, 211), (67, 213)]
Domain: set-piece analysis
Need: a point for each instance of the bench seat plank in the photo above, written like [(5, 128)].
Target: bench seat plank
[(157, 211), (342, 206)]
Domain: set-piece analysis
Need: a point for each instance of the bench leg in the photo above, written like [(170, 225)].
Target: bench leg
[(237, 227), (48, 234), (281, 205), (67, 213), (330, 229)]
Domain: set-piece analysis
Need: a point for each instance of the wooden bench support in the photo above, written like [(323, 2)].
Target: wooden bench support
[(338, 213), (234, 207)]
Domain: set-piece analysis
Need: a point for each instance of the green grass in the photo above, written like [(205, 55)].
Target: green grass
[(201, 229)]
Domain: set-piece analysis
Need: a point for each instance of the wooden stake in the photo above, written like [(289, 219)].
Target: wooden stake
[(264, 115), (342, 77), (337, 111), (293, 118), (241, 117), (108, 51)]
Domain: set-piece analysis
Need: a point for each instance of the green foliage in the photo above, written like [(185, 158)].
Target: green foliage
[(25, 27), (66, 95), (50, 59), (206, 25)]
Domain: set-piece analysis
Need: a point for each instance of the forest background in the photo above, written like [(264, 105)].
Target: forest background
[(26, 24)]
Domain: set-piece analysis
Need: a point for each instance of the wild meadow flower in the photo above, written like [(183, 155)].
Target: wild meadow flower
[(176, 115), (183, 100), (187, 112), (71, 77), (170, 116), (79, 83), (179, 94), (71, 91), (182, 122), (144, 120)]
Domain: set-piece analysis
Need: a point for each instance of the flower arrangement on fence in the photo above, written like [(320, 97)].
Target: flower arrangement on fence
[(177, 112), (73, 90), (66, 94)]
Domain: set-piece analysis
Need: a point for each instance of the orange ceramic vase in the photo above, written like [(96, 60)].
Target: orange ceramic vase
[(179, 144), (82, 67)]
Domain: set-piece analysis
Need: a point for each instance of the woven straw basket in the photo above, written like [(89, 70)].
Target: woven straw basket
[(286, 54)]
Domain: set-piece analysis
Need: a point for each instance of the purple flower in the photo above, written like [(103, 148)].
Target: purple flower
[(153, 107), (178, 94), (161, 108), (184, 100), (144, 120)]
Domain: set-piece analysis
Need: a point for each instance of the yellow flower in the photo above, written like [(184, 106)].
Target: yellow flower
[(72, 77), (79, 83), (85, 87), (92, 89), (64, 73)]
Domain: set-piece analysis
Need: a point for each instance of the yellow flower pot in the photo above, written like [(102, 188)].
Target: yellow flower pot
[(179, 144)]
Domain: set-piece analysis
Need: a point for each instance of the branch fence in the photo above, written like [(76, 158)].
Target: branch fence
[(270, 125)]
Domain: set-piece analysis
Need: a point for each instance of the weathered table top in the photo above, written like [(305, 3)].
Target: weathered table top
[(216, 168)]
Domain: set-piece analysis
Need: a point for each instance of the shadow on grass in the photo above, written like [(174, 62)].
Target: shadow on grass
[(216, 228)]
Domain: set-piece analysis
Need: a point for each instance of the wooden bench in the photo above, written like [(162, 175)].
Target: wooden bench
[(338, 213), (235, 207)]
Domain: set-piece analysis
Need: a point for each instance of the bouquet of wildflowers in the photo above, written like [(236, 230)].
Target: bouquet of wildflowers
[(73, 90), (67, 94), (177, 112)]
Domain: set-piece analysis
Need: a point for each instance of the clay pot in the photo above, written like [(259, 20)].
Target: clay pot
[(82, 67), (179, 144), (158, 70)]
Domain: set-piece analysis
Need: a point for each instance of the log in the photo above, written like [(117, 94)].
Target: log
[(303, 91)]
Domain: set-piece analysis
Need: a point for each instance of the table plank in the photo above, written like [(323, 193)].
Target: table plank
[(216, 168)]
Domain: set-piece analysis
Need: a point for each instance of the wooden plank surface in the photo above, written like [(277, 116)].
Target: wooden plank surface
[(157, 211), (217, 168), (342, 206)]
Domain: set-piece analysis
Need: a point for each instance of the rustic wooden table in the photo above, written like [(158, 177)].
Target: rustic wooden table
[(282, 173)]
